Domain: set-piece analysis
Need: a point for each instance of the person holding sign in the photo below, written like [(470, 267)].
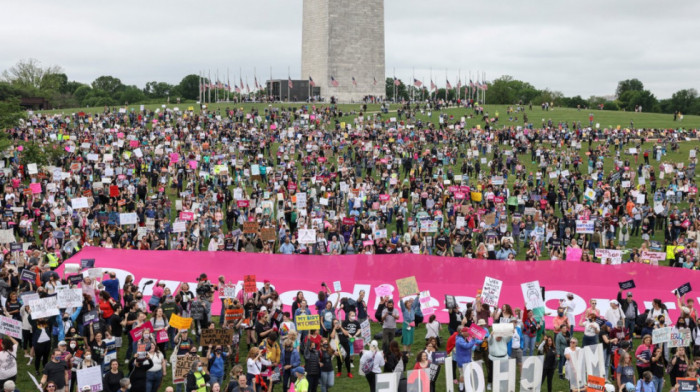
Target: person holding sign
[(197, 378), (388, 319), (409, 309)]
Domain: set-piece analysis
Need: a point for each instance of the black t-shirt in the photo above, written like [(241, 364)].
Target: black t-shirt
[(441, 241), (352, 327), (56, 372), (116, 324), (98, 350)]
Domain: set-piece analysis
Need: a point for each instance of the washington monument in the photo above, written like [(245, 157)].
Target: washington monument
[(344, 39)]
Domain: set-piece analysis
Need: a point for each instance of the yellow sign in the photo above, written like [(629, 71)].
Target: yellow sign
[(308, 322), (407, 286), (178, 322), (190, 108)]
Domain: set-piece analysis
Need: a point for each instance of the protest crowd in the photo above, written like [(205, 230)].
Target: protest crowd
[(314, 180)]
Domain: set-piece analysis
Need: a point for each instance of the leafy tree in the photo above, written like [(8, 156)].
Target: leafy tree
[(189, 87), (10, 113), (82, 93), (108, 84), (401, 90), (54, 82), (158, 89), (683, 100), (29, 73), (131, 94), (628, 85)]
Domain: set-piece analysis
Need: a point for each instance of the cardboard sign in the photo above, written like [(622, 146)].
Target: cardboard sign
[(614, 255), (307, 236), (268, 234), (128, 219), (183, 365), (626, 285), (407, 286), (178, 322), (308, 322), (585, 226), (366, 330), (233, 314), (450, 302), (215, 337), (653, 256), (250, 227), (249, 284), (11, 327), (491, 291), (681, 338)]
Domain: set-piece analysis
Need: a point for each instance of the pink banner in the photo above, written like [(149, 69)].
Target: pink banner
[(138, 331), (459, 277)]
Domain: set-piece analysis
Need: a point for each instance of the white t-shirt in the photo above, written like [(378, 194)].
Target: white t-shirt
[(8, 363)]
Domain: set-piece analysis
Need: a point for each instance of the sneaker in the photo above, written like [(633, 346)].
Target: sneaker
[(126, 361), (337, 375), (30, 361), (352, 365), (349, 375)]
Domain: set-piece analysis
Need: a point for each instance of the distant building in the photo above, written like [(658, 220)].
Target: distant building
[(343, 39), (34, 103)]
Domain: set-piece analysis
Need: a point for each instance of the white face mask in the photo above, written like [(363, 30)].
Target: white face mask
[(351, 318), (72, 345), (88, 356), (146, 336)]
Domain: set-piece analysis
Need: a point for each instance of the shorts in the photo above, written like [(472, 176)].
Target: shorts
[(517, 354)]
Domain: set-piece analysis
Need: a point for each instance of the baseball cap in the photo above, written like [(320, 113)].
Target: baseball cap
[(263, 309), (629, 293), (299, 370), (465, 329), (62, 343), (614, 302)]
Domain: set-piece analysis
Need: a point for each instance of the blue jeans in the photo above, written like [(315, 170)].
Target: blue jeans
[(214, 379), (327, 381), (153, 380), (529, 345), (658, 383)]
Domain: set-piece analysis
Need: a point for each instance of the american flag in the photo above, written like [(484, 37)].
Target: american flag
[(219, 85), (257, 86), (459, 84), (375, 81), (241, 80), (396, 82), (448, 85), (484, 86), (238, 89), (354, 82), (334, 82), (311, 82), (289, 82), (417, 82), (226, 87), (471, 84), (432, 85), (247, 87)]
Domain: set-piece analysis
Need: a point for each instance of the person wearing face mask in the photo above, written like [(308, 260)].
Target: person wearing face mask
[(217, 360), (388, 319), (197, 378), (56, 371), (560, 320), (591, 329), (347, 332)]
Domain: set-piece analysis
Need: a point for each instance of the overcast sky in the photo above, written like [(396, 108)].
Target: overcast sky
[(576, 47)]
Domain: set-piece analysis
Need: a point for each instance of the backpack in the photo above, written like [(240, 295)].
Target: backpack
[(451, 343), (368, 365)]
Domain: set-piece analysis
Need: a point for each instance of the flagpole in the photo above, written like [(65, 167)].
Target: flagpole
[(270, 88), (394, 83), (459, 83), (199, 85), (209, 92), (413, 90)]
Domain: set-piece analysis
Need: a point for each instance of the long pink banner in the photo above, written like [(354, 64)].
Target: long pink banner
[(440, 275)]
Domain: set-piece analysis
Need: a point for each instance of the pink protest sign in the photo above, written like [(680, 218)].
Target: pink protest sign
[(186, 216), (137, 332), (477, 332), (174, 157), (384, 197), (574, 254), (35, 187), (193, 164), (383, 290), (460, 277), (133, 143)]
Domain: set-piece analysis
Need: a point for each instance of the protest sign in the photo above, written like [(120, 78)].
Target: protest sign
[(75, 279), (222, 337), (450, 302), (268, 234), (366, 331), (91, 317), (44, 307), (407, 286), (178, 322), (128, 218), (179, 227), (87, 263), (595, 384), (7, 236), (249, 284), (183, 365), (687, 384), (661, 335), (307, 236), (11, 327), (28, 275), (80, 202), (69, 298), (532, 293), (585, 226), (652, 256), (614, 255), (233, 314), (680, 338), (626, 285), (574, 254), (477, 332), (491, 291), (251, 227), (383, 290), (308, 322), (90, 376), (684, 289), (336, 286), (137, 332)]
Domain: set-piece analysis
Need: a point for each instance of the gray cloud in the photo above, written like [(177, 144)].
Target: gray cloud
[(574, 47)]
